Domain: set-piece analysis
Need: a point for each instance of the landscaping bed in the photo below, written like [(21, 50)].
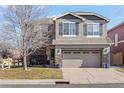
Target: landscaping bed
[(32, 73)]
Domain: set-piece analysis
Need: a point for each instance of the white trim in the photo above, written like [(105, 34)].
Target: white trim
[(92, 23), (68, 22), (90, 36), (69, 35)]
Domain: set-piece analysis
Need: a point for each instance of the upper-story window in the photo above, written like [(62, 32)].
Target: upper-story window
[(68, 28), (93, 30)]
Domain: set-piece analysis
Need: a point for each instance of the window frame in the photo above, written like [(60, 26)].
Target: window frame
[(69, 30), (95, 36)]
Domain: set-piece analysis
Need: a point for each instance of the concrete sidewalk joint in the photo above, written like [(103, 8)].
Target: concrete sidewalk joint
[(92, 75)]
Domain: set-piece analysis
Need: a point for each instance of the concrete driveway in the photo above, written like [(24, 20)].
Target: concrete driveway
[(92, 75)]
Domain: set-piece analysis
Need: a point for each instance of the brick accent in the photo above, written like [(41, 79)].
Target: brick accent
[(58, 58)]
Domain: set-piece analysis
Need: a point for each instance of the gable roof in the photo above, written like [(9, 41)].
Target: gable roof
[(91, 13), (68, 14), (115, 27), (76, 14)]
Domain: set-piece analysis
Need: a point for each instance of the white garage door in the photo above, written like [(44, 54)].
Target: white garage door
[(76, 59)]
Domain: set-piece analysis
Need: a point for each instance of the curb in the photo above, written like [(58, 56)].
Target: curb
[(46, 82), (33, 82)]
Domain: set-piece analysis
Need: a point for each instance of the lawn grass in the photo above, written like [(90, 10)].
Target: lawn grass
[(121, 70), (33, 73)]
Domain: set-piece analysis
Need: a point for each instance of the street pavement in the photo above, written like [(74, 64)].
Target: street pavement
[(65, 86)]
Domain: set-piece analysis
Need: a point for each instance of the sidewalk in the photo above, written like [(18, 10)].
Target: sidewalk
[(17, 81)]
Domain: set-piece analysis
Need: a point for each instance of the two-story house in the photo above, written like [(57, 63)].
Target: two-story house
[(80, 38)]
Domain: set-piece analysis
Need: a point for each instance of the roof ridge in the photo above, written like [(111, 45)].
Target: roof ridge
[(83, 12)]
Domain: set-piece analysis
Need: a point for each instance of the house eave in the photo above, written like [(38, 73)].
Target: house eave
[(83, 44)]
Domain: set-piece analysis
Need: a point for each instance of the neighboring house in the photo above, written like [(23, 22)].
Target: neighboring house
[(116, 34), (80, 38)]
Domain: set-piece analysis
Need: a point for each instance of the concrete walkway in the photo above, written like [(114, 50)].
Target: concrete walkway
[(92, 75)]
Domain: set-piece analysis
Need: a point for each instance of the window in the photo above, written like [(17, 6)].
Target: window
[(76, 52), (86, 52), (67, 52), (93, 29), (69, 29), (95, 52)]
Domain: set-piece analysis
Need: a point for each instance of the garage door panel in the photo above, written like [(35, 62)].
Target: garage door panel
[(72, 56), (81, 59), (91, 60), (71, 63)]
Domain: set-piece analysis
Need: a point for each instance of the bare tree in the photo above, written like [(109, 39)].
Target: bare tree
[(20, 28), (5, 50)]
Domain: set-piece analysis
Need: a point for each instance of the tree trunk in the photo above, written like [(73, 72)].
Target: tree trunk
[(25, 62)]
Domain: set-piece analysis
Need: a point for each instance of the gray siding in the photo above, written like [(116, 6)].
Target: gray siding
[(91, 17), (69, 16), (82, 27)]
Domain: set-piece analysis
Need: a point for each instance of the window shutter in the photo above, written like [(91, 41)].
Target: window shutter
[(77, 28), (60, 28), (101, 29), (85, 29)]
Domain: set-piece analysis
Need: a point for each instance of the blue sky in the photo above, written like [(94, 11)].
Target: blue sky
[(114, 13)]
